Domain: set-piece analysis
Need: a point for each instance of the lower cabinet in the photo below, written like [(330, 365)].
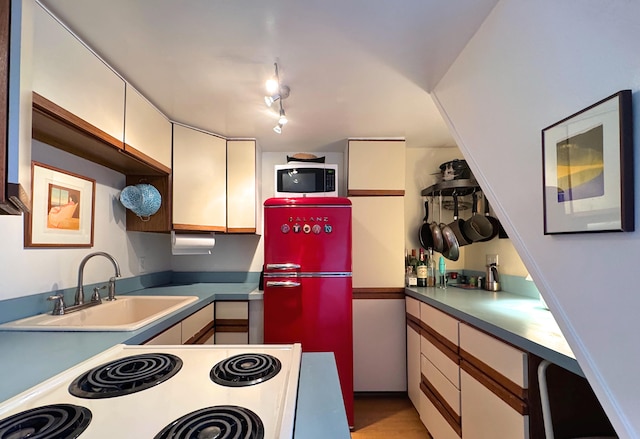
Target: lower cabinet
[(232, 322), (198, 328), (413, 350), (495, 383)]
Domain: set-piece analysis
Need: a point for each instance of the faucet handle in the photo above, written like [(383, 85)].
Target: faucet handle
[(95, 297), (58, 306)]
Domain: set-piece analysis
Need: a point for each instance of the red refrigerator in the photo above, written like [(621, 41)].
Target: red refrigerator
[(307, 279)]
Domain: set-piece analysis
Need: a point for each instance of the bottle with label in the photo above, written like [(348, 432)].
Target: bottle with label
[(421, 270), (431, 269)]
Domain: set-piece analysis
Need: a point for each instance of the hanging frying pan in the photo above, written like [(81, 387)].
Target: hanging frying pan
[(494, 222), (457, 225), (426, 238), (451, 249), (478, 227), (436, 233)]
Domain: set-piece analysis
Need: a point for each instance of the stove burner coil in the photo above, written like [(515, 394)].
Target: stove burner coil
[(57, 421), (125, 376), (217, 422), (245, 370)]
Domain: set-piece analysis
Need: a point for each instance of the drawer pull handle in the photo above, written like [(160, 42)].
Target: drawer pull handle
[(283, 283), (287, 266)]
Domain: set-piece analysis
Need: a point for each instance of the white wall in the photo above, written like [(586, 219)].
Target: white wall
[(33, 270), (531, 64)]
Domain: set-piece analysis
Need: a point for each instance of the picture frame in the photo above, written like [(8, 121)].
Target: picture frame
[(588, 172), (62, 213)]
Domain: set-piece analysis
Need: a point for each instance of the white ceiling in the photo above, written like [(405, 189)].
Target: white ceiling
[(356, 68)]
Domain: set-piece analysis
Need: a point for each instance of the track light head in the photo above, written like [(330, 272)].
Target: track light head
[(278, 128)]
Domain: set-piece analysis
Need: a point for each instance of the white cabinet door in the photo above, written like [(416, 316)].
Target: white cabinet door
[(69, 74), (378, 242), (172, 336), (146, 129), (196, 322), (199, 180), (241, 186), (232, 322), (376, 165), (484, 415), (379, 343)]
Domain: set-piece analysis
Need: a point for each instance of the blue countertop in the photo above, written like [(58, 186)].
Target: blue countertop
[(30, 357), (519, 320)]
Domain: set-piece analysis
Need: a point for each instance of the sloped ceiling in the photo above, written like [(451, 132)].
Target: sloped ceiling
[(356, 68)]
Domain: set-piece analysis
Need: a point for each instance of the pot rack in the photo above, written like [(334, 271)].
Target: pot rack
[(448, 188)]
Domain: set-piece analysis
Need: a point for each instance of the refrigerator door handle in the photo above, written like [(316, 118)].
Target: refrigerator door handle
[(283, 283), (287, 266)]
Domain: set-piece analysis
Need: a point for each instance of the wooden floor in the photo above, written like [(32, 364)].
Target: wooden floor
[(386, 416)]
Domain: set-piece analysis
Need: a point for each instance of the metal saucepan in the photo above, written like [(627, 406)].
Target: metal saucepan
[(436, 233), (426, 238), (451, 249), (458, 224), (494, 222), (478, 227)]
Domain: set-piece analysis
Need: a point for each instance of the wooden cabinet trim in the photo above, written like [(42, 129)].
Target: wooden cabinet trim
[(145, 158), (519, 404), (241, 230), (443, 408), (445, 345), (378, 293), (493, 374), (413, 324), (194, 227), (375, 193), (237, 325), (202, 335), (62, 129)]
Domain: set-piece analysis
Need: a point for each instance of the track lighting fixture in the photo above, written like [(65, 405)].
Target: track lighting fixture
[(277, 93)]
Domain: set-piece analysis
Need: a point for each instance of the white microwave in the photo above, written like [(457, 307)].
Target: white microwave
[(304, 179)]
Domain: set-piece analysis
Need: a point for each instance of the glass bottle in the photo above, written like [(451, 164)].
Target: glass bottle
[(421, 270), (431, 269)]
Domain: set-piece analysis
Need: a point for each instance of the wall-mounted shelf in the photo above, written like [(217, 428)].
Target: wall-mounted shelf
[(450, 187)]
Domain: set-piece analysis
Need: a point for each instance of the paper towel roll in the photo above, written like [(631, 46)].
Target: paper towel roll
[(192, 243)]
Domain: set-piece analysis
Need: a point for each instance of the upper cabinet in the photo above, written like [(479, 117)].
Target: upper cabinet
[(241, 186), (72, 76), (376, 167), (199, 180), (146, 130)]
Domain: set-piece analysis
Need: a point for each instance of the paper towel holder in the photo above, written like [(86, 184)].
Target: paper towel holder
[(192, 243)]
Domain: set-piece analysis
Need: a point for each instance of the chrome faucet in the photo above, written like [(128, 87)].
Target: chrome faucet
[(79, 299)]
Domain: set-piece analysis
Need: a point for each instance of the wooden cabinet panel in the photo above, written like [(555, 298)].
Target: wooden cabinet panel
[(232, 322), (376, 165), (487, 416), (231, 337), (146, 129), (413, 307), (226, 310), (442, 323), (449, 392), (68, 73), (378, 242), (503, 358), (199, 180), (241, 186)]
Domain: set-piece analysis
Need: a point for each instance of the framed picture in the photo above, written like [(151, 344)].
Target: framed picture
[(62, 212), (588, 169)]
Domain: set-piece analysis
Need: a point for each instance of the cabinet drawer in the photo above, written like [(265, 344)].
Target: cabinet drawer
[(413, 307), (171, 336), (196, 322), (232, 310), (231, 337), (447, 367), (442, 323), (441, 384), (501, 357), (436, 424)]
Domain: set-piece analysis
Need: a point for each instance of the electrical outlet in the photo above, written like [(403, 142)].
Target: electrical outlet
[(491, 259), (141, 264)]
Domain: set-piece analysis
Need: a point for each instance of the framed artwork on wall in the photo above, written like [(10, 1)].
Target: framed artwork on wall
[(587, 169), (62, 212)]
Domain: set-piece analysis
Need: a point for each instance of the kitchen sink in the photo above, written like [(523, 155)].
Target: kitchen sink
[(126, 313)]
